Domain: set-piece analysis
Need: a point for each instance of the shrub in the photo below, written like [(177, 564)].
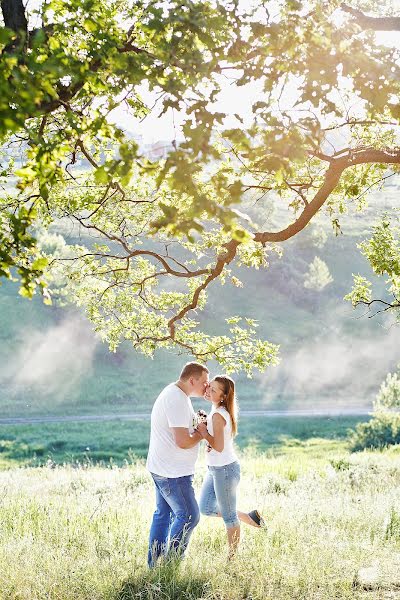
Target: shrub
[(381, 431), (340, 464), (388, 397), (384, 428)]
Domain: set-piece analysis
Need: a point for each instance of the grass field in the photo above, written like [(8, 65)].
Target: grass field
[(76, 527), (333, 532), (121, 441)]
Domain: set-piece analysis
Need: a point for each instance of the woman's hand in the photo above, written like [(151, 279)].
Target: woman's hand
[(202, 429), (217, 440)]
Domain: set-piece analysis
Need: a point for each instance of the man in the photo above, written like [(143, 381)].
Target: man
[(172, 455)]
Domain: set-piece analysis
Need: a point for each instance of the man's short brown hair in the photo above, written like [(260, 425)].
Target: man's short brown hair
[(193, 369)]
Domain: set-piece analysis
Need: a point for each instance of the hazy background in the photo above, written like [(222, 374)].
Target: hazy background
[(331, 356)]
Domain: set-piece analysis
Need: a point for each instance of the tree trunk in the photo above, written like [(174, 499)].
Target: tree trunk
[(14, 15)]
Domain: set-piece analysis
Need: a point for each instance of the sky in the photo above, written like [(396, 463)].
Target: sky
[(232, 99)]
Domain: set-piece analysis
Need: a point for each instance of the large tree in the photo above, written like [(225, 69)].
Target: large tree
[(154, 235)]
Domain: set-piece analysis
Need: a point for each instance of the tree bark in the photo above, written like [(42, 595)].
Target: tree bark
[(14, 15)]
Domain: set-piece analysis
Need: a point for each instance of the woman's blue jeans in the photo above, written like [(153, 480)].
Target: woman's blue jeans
[(175, 517), (218, 494)]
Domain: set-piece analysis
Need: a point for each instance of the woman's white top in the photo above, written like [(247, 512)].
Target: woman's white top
[(228, 455)]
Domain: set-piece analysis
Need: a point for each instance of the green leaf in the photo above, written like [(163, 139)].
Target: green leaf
[(101, 175), (39, 264), (90, 25)]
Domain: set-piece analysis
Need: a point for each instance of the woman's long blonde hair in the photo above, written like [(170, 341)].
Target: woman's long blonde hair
[(229, 401)]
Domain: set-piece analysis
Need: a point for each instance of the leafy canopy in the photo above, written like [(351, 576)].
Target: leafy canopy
[(153, 235)]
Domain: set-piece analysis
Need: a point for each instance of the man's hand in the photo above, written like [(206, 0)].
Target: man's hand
[(202, 429)]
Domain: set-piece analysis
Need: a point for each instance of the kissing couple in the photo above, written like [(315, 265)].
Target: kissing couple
[(175, 434)]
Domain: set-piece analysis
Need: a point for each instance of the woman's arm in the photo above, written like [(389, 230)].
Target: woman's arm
[(216, 441)]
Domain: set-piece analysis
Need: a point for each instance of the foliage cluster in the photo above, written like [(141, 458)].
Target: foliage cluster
[(382, 250)]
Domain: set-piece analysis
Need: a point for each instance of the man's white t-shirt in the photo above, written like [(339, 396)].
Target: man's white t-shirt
[(171, 409)]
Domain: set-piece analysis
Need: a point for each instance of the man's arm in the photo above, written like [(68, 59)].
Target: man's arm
[(184, 439)]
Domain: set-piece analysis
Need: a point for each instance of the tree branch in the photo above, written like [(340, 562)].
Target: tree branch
[(332, 176), (375, 23), (387, 305), (223, 259), (186, 273)]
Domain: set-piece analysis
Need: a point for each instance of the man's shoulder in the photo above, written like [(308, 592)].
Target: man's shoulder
[(171, 403), (171, 392)]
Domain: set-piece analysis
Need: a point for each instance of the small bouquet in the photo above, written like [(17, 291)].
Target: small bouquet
[(201, 416)]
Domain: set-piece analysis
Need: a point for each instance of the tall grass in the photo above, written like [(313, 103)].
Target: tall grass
[(81, 533)]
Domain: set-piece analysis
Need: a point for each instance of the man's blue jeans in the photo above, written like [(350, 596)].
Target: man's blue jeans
[(175, 517)]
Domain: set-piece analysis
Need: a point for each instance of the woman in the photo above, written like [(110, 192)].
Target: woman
[(218, 494)]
